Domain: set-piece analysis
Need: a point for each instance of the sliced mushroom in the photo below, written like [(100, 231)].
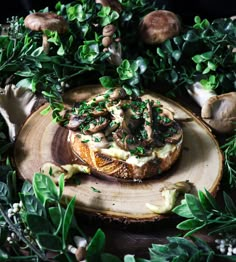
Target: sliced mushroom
[(132, 120), (75, 122), (116, 112), (119, 137), (147, 115), (175, 136), (97, 125), (110, 95)]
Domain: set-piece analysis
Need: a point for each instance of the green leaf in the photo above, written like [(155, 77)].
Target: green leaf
[(129, 258), (32, 204), (56, 215), (176, 54), (95, 246), (38, 224), (206, 204), (3, 191), (3, 255), (61, 184), (207, 55), (106, 257), (67, 220), (107, 81), (198, 67), (189, 224), (174, 76), (197, 19), (183, 211), (37, 52), (27, 188), (25, 82), (229, 204), (191, 36), (27, 73), (44, 188), (211, 66), (212, 200), (45, 111), (197, 59), (49, 242), (140, 64), (206, 71), (160, 52), (61, 51), (195, 207)]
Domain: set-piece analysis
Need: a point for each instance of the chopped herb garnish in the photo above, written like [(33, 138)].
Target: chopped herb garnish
[(97, 139), (85, 141), (95, 190)]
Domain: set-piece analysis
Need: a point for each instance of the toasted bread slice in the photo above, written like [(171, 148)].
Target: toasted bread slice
[(125, 137), (119, 163)]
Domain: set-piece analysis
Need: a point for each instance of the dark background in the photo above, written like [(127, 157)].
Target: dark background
[(187, 9)]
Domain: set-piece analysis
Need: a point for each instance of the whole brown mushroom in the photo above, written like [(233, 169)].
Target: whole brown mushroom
[(218, 111), (46, 21), (158, 26), (113, 4)]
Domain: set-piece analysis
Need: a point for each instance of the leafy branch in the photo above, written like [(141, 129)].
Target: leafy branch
[(202, 211), (229, 150)]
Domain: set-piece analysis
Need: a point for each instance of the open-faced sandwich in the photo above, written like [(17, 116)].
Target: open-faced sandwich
[(124, 136)]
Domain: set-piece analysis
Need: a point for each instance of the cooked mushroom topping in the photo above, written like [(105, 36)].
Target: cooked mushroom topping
[(175, 134), (110, 95), (75, 121), (96, 125), (147, 115), (134, 124)]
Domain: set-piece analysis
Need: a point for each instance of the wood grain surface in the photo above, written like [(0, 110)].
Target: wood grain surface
[(40, 140)]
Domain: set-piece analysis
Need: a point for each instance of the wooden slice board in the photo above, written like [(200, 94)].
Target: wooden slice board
[(40, 140)]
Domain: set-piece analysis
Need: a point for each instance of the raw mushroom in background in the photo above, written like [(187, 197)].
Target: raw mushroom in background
[(113, 4), (16, 104), (218, 111), (158, 26), (46, 21)]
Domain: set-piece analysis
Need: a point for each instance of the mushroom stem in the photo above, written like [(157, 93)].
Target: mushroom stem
[(116, 55), (81, 244), (170, 194), (199, 94), (218, 111), (45, 44), (16, 104)]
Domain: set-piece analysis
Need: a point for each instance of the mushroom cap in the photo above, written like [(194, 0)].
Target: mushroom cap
[(46, 21), (158, 26), (219, 112), (113, 4)]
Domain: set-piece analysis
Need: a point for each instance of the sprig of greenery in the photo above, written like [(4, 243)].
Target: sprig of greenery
[(229, 151), (203, 211)]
